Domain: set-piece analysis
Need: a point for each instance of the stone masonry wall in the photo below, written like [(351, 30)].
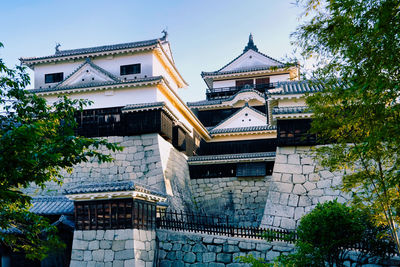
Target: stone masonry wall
[(298, 184), (242, 199), (147, 159), (113, 248), (192, 249)]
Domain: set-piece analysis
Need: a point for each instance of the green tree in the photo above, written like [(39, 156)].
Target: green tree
[(37, 142), (356, 45), (326, 233)]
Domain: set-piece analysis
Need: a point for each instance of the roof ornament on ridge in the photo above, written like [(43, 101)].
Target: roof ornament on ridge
[(250, 44), (57, 48), (165, 32)]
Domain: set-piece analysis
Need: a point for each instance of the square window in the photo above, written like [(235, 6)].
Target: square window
[(53, 77)]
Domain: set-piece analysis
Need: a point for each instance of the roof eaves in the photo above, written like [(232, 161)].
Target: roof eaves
[(91, 50), (101, 84)]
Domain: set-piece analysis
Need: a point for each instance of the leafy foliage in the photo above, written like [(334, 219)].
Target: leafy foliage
[(356, 43), (325, 236), (37, 142)]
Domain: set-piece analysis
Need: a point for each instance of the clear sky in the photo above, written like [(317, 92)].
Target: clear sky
[(204, 34)]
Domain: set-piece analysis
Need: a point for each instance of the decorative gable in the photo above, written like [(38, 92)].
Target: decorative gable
[(249, 60), (245, 117), (88, 73)]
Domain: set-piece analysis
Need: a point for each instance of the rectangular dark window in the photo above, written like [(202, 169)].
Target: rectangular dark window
[(130, 69), (251, 169), (53, 77)]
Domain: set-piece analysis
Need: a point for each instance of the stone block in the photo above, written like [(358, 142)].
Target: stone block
[(280, 210), (309, 186), (288, 168), (87, 255), (208, 239), (186, 248), (314, 177), (276, 177), (118, 245), (129, 244), (213, 248), (189, 257), (224, 257), (299, 189), (304, 201), (271, 255), (294, 159), (139, 245), (199, 248), (209, 257), (326, 174), (78, 234), (284, 199), (293, 200), (131, 262), (282, 187), (281, 158), (298, 213), (98, 255), (230, 248), (307, 169), (75, 263), (216, 264), (124, 254), (286, 178), (109, 234), (324, 183), (118, 263), (108, 255), (298, 178), (274, 197), (167, 246), (99, 234), (286, 150), (316, 192), (105, 244), (77, 255), (263, 247), (89, 235), (93, 245), (288, 224), (177, 246), (219, 241), (80, 244), (246, 245)]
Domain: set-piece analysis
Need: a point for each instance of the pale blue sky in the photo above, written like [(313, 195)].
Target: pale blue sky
[(204, 34)]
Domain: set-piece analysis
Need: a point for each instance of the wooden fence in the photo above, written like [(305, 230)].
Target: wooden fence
[(215, 225)]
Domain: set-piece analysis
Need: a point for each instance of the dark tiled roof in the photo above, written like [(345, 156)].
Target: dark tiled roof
[(289, 110), (97, 84), (96, 49), (220, 101), (232, 156), (56, 205), (110, 187), (244, 129), (295, 87), (215, 73), (143, 105)]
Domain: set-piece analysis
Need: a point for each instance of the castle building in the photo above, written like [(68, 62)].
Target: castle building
[(239, 152)]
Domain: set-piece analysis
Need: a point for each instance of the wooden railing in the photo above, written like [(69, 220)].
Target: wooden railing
[(217, 93)]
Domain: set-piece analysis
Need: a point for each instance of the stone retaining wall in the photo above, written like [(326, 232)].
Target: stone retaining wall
[(192, 249), (147, 159), (242, 199), (298, 184), (113, 248)]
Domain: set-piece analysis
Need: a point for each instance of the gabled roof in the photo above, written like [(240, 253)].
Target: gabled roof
[(230, 121), (95, 49), (225, 100), (250, 48), (88, 62)]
